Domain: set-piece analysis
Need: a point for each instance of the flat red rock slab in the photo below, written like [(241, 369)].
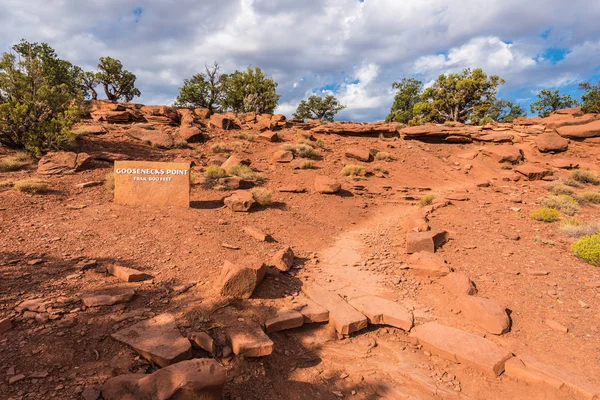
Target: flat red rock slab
[(314, 313), (462, 347), (382, 311), (249, 341), (127, 274), (344, 318), (485, 313), (157, 339), (107, 297), (285, 319)]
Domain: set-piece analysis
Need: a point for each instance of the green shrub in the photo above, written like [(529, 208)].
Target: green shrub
[(426, 200), (563, 203), (589, 197), (262, 196), (588, 249), (576, 229), (109, 182), (545, 215), (307, 164), (586, 177), (383, 156), (302, 149), (218, 148), (559, 188), (354, 171), (31, 185), (14, 162), (245, 172), (214, 172)]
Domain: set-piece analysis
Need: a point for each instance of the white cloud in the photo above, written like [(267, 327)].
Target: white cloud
[(310, 44)]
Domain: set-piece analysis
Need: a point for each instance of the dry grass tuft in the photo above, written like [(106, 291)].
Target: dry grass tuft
[(32, 186), (14, 162)]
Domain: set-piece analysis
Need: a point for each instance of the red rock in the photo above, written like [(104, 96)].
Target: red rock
[(203, 341), (282, 156), (564, 163), (380, 311), (5, 325), (344, 318), (427, 264), (230, 162), (576, 382), (127, 274), (269, 136), (230, 182), (582, 131), (191, 134), (203, 113), (158, 339), (326, 185), (356, 129), (107, 297), (62, 162), (462, 347), (425, 241), (458, 284), (556, 326), (551, 141), (283, 260), (285, 319), (86, 129), (504, 153), (115, 117), (314, 313), (415, 224), (194, 379), (240, 201), (256, 234), (220, 121), (485, 313), (16, 378), (532, 172), (515, 368), (155, 137), (470, 155), (240, 279), (359, 153), (292, 189), (249, 341)]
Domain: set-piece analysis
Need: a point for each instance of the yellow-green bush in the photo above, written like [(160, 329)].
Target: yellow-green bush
[(588, 249), (215, 172), (560, 188), (383, 156), (545, 214), (303, 149), (245, 172), (31, 186), (14, 162), (586, 177), (426, 200), (307, 164), (563, 203), (353, 170), (219, 148), (589, 197)]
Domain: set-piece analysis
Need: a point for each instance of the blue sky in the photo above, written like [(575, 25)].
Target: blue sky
[(354, 49)]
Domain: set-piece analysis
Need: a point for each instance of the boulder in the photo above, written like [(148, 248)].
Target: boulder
[(342, 316), (256, 233), (62, 162), (203, 341), (230, 162), (191, 134), (532, 172), (240, 201), (283, 260), (127, 274), (427, 264), (284, 320), (106, 105), (551, 142), (359, 153), (86, 129), (155, 137), (373, 129), (115, 117), (240, 279), (327, 185), (428, 241), (157, 339), (249, 340), (282, 156), (504, 153), (580, 132), (380, 311), (107, 297), (415, 224), (221, 121), (194, 379), (203, 113), (168, 115), (5, 325), (462, 347), (458, 284), (230, 182), (564, 163), (314, 313), (485, 313), (269, 136)]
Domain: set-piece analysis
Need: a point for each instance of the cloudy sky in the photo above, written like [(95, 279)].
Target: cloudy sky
[(353, 48)]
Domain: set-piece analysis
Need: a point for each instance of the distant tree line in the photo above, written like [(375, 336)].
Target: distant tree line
[(43, 96)]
